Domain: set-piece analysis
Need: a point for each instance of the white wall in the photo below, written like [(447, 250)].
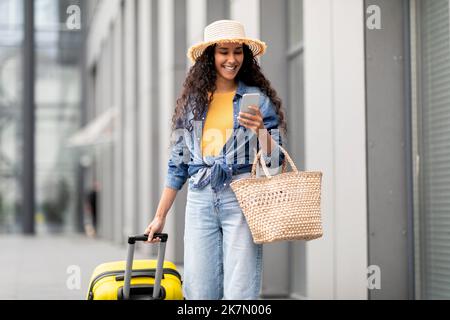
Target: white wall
[(144, 107), (106, 163), (167, 100), (133, 216), (335, 145), (118, 130), (105, 13), (196, 22), (129, 147), (248, 13), (107, 24)]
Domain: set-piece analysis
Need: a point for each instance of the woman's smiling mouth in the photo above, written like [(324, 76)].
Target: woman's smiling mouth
[(230, 69)]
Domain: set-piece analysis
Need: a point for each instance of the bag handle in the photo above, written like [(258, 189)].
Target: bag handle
[(263, 163), (159, 265)]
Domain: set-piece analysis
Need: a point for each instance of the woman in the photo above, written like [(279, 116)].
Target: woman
[(220, 258)]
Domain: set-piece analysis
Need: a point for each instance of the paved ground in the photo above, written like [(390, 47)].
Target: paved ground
[(42, 267)]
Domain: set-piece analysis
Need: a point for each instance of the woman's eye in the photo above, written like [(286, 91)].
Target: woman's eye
[(236, 53)]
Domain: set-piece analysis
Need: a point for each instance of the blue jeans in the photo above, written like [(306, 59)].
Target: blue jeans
[(221, 261)]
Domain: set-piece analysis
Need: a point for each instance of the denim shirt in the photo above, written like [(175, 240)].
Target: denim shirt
[(237, 154)]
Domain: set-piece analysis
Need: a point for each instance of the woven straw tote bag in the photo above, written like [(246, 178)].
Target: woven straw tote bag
[(281, 207)]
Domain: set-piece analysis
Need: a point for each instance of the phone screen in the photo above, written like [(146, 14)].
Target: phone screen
[(249, 99)]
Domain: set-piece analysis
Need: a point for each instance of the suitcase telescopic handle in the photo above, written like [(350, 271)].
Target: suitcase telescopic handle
[(144, 237), (159, 266)]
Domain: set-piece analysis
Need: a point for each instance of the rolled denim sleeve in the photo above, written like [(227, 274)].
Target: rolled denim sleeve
[(271, 122), (177, 172)]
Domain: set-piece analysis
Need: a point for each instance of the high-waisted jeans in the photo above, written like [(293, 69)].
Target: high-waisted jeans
[(221, 261)]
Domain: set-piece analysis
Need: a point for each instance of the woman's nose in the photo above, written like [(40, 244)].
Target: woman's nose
[(231, 58)]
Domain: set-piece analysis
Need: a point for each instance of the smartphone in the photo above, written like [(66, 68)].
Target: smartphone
[(249, 99)]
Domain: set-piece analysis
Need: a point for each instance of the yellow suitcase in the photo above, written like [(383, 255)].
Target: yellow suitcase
[(137, 279)]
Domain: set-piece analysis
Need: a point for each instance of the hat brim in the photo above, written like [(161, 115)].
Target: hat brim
[(256, 46)]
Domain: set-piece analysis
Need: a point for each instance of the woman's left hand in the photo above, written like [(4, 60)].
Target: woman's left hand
[(252, 122)]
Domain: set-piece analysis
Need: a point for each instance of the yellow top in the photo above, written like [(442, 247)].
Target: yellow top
[(218, 126)]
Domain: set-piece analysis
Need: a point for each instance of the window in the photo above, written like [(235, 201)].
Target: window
[(432, 132), (11, 36), (57, 102)]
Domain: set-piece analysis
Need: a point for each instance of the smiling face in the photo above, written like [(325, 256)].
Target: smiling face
[(228, 60)]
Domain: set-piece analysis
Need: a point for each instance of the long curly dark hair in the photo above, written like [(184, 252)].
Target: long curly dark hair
[(201, 79)]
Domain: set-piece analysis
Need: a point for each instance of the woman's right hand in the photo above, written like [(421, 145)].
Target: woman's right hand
[(156, 226)]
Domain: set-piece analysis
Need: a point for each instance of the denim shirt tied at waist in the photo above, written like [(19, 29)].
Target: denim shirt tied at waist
[(237, 156)]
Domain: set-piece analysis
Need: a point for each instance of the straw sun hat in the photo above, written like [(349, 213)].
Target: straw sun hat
[(225, 31)]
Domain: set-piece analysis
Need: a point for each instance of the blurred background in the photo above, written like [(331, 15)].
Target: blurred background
[(87, 90)]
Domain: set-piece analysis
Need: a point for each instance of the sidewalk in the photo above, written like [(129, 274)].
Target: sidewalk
[(41, 267)]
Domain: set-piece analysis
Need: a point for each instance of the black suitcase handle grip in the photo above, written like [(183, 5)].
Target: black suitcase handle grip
[(144, 237)]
